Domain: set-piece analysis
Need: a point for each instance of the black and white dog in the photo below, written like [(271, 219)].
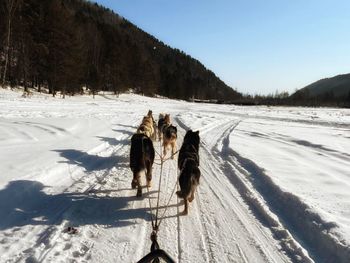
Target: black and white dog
[(141, 159), (188, 164)]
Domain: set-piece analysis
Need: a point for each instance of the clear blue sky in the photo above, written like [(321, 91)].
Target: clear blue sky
[(256, 46)]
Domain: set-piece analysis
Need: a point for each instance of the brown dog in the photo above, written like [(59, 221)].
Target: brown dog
[(146, 127), (164, 120), (169, 139), (154, 136)]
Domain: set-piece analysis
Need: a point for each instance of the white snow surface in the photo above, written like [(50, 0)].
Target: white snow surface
[(274, 187)]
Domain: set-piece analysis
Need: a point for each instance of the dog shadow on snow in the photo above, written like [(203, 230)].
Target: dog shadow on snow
[(94, 162), (114, 141), (25, 202), (91, 162), (126, 132)]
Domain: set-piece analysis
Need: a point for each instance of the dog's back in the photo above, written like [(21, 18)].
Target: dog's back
[(188, 164), (141, 151), (147, 120), (169, 139), (147, 127), (189, 148), (189, 178), (141, 158), (170, 132), (154, 124), (187, 151), (161, 122)]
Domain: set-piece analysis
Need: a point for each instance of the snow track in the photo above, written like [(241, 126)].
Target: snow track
[(233, 234), (67, 165)]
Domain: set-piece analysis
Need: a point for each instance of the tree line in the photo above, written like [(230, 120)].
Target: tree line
[(67, 45), (301, 97)]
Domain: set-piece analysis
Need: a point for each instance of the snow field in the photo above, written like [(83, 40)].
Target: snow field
[(274, 184)]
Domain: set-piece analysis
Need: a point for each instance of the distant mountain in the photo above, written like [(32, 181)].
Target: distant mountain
[(68, 44), (338, 86)]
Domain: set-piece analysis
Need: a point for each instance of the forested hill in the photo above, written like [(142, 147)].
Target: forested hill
[(68, 44), (338, 86)]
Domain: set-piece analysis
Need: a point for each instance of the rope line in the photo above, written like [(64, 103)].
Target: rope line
[(156, 220), (167, 205), (150, 207), (166, 159), (160, 182)]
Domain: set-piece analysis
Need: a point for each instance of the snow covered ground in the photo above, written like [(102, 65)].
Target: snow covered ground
[(275, 183)]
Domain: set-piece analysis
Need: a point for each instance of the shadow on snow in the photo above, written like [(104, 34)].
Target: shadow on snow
[(92, 162), (114, 141), (24, 202)]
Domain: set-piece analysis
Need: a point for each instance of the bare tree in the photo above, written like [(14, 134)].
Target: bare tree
[(10, 9)]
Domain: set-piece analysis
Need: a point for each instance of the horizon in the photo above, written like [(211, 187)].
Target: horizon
[(255, 48)]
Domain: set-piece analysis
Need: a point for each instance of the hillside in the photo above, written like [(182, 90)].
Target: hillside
[(338, 86), (66, 45)]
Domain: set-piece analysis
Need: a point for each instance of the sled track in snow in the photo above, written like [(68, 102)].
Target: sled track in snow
[(241, 217), (307, 226), (204, 237), (51, 238), (178, 232), (49, 244), (302, 222), (256, 201), (184, 236), (192, 233), (207, 219), (341, 125), (88, 187)]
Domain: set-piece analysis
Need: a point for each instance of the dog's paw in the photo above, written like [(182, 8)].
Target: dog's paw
[(133, 184), (184, 213), (139, 193)]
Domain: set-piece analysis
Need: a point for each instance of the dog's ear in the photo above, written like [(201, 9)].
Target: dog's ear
[(197, 132)]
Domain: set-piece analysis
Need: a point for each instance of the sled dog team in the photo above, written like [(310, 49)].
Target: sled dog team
[(142, 154)]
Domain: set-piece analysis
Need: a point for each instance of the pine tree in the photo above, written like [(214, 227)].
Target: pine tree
[(10, 8)]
